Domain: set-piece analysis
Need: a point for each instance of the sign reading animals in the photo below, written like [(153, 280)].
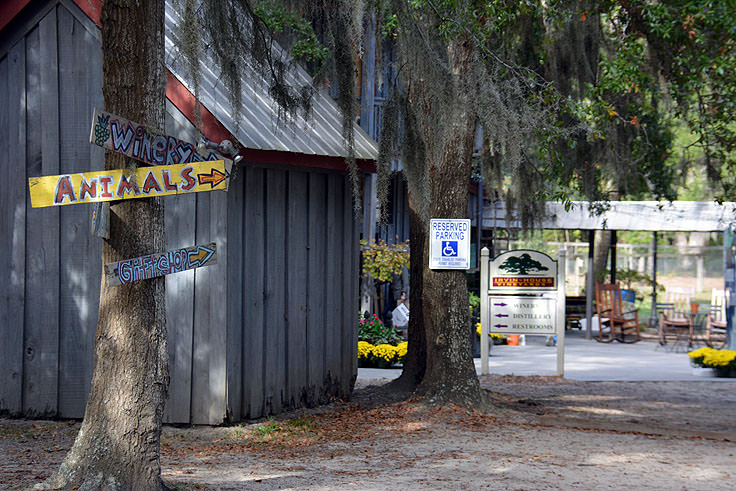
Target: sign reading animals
[(144, 182), (161, 264), (141, 143), (523, 270)]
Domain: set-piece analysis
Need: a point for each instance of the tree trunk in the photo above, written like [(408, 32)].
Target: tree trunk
[(450, 375), (600, 261), (416, 357), (118, 445)]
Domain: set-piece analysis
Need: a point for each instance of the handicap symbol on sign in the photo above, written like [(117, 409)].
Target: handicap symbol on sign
[(449, 248)]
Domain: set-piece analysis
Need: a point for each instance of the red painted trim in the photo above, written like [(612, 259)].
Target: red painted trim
[(9, 9), (93, 9), (214, 130)]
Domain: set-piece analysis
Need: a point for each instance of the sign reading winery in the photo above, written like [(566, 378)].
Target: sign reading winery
[(138, 141), (523, 270)]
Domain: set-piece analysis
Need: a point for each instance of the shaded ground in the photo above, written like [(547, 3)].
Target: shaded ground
[(546, 434)]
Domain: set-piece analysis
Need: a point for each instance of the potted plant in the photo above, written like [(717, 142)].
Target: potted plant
[(723, 362)]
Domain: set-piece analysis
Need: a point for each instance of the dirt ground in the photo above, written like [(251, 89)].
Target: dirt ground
[(545, 433)]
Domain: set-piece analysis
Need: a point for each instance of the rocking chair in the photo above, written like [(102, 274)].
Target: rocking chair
[(614, 322)]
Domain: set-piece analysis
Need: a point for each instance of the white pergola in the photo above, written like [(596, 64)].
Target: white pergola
[(649, 216)]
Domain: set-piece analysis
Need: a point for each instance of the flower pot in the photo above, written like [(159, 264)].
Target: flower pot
[(727, 372)]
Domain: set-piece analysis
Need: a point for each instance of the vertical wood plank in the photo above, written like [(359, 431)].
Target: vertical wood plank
[(275, 301), (254, 274), (80, 260), (235, 286), (201, 348), (297, 283), (5, 336), (317, 259), (180, 225), (333, 317), (13, 229), (41, 336), (50, 166), (350, 279), (218, 310)]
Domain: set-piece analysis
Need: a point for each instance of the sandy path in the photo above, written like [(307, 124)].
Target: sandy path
[(546, 434)]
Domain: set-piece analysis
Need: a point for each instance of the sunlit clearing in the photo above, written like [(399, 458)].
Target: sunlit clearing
[(414, 426), (600, 410), (618, 458)]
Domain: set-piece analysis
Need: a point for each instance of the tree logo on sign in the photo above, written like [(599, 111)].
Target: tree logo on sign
[(522, 265)]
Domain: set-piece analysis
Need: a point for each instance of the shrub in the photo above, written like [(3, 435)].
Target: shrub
[(713, 358), (374, 331), (382, 354)]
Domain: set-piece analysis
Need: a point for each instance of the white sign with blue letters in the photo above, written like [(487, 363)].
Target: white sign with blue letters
[(449, 243)]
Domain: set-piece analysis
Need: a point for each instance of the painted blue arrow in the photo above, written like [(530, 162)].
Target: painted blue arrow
[(500, 325), (500, 304), (200, 256), (502, 315)]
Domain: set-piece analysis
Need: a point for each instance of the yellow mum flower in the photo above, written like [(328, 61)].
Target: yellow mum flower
[(385, 351), (402, 348), (365, 349)]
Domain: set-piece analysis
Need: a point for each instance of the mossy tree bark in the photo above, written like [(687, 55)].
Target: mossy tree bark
[(118, 445), (450, 375), (415, 363)]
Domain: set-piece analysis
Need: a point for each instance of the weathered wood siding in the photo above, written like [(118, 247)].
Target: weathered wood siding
[(50, 266), (271, 326), (292, 314)]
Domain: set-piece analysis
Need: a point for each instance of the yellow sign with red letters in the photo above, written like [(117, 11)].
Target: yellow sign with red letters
[(143, 182)]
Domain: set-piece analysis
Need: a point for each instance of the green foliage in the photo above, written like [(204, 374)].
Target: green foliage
[(372, 330), (280, 20), (631, 278), (381, 261)]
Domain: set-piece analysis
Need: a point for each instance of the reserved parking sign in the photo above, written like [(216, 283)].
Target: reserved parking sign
[(449, 243)]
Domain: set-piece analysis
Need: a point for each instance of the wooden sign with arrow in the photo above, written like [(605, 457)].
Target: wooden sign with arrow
[(144, 182), (160, 264), (143, 143)]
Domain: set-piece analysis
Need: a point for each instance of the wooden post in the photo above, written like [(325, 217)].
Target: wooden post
[(561, 271), (484, 327), (653, 314), (589, 287)]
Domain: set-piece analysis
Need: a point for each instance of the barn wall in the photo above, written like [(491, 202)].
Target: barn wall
[(292, 325), (50, 266), (271, 326)]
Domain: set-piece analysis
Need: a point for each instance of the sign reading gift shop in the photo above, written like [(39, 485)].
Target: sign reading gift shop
[(449, 243), (143, 182), (523, 293), (160, 264)]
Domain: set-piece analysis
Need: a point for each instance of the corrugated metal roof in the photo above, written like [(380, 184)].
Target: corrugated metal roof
[(258, 126)]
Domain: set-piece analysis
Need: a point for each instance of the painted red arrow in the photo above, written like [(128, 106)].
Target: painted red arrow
[(213, 178)]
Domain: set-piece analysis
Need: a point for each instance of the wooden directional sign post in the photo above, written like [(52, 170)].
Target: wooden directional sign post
[(161, 264), (142, 143), (111, 185), (522, 292)]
